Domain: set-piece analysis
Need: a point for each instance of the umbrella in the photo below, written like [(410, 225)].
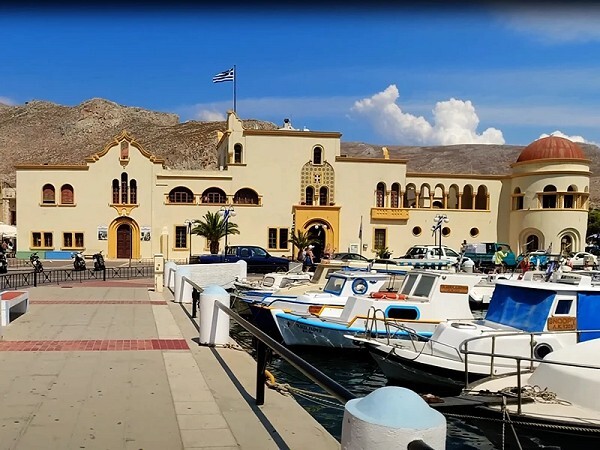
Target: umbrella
[(8, 231)]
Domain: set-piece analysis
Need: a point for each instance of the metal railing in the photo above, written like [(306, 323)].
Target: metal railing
[(18, 280)]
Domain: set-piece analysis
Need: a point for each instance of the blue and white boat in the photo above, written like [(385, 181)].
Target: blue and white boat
[(339, 287), (525, 318), (424, 300)]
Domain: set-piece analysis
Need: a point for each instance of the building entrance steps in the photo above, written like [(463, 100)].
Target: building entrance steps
[(117, 367)]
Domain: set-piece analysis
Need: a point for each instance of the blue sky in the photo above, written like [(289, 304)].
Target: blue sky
[(394, 76)]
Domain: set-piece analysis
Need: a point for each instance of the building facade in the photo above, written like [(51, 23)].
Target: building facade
[(125, 202)]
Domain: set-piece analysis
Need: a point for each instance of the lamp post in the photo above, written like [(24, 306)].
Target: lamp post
[(190, 223), (438, 221), (226, 212)]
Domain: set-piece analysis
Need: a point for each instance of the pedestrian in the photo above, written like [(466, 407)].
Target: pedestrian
[(4, 246), (308, 262), (499, 260)]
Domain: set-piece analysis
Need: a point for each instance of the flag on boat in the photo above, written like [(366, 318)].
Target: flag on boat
[(228, 75)]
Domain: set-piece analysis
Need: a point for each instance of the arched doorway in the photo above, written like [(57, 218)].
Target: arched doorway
[(317, 235), (124, 241)]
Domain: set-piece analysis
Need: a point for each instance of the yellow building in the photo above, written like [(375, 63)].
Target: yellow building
[(125, 202)]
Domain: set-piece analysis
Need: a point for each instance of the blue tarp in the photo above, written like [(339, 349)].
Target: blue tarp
[(522, 308)]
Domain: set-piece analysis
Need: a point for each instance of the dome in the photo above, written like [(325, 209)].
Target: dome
[(551, 147)]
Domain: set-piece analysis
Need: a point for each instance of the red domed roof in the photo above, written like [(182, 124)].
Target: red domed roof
[(551, 147)]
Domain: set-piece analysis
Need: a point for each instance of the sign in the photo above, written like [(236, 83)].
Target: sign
[(102, 232), (562, 323), (454, 289), (145, 234)]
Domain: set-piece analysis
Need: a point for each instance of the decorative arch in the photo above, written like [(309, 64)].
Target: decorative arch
[(453, 197), (309, 195), (517, 199), (48, 194), (238, 153), (181, 194), (395, 195), (466, 200), (569, 199), (410, 196), (481, 198), (425, 196), (323, 196), (549, 197), (116, 191), (321, 233), (380, 195), (245, 196), (213, 195), (135, 237), (530, 240), (317, 155), (316, 176), (67, 195), (570, 240), (439, 196)]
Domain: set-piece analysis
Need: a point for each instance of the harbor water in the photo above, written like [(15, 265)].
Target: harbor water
[(357, 372)]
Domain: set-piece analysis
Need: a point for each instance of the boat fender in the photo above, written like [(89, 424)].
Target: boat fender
[(388, 296), (540, 351)]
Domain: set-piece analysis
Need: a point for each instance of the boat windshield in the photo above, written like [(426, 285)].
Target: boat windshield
[(334, 285)]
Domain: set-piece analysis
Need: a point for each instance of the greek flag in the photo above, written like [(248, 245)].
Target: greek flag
[(228, 75)]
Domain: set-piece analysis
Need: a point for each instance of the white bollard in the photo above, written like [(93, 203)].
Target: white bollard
[(169, 274), (214, 323), (391, 418)]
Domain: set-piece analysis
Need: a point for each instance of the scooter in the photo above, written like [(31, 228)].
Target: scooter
[(36, 263), (3, 263), (98, 261), (78, 261)]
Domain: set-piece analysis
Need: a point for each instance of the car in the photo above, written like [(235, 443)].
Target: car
[(579, 259), (348, 257)]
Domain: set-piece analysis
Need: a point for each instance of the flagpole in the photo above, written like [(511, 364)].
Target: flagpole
[(234, 87), (360, 236)]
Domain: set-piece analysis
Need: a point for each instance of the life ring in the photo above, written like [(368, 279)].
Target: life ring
[(389, 296)]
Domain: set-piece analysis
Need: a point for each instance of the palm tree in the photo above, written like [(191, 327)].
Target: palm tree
[(212, 227), (300, 240)]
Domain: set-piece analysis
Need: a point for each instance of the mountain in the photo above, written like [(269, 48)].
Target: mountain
[(43, 132)]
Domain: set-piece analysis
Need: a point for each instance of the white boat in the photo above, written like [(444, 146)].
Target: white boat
[(424, 300), (339, 287), (554, 406), (525, 318)]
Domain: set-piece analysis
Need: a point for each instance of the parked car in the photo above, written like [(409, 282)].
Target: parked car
[(578, 260), (257, 258), (348, 257)]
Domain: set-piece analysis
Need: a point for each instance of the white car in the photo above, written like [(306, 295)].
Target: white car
[(578, 260)]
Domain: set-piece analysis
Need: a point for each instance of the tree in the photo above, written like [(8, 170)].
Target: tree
[(212, 227), (300, 240), (593, 224)]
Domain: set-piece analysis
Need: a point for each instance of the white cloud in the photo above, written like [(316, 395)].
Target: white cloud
[(454, 121), (555, 23), (566, 136), (209, 116), (7, 101)]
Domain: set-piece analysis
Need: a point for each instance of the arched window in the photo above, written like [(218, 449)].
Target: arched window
[(124, 188), (481, 197), (245, 196), (466, 201), (66, 194), (410, 196), (48, 194), (323, 196), (532, 243), (453, 194), (318, 155), (181, 194), (566, 244), (212, 195), (569, 201), (124, 150), (517, 199), (237, 153), (115, 191), (380, 195), (310, 194), (133, 192), (549, 198), (438, 196), (425, 196), (395, 196)]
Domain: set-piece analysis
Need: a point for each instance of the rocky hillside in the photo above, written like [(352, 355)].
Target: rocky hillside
[(43, 132)]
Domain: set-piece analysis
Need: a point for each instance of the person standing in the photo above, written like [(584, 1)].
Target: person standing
[(499, 260), (309, 258)]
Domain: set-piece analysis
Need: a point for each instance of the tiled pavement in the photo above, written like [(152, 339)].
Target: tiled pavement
[(114, 366)]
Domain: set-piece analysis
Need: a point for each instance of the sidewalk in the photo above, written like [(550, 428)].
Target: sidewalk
[(97, 366)]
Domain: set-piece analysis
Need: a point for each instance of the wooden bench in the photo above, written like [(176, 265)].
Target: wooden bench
[(12, 305)]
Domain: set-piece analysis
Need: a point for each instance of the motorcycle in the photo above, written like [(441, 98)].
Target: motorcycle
[(98, 261), (36, 263), (3, 263), (78, 261)]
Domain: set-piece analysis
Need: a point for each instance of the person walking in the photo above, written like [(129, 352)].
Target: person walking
[(499, 260), (309, 258)]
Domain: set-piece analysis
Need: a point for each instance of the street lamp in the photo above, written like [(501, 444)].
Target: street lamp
[(190, 223), (226, 212), (438, 221)]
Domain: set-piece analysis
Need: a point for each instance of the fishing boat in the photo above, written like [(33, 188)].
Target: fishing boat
[(425, 299), (555, 405), (525, 318), (339, 287)]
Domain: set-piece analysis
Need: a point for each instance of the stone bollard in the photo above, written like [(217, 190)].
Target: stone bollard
[(214, 323), (391, 418)]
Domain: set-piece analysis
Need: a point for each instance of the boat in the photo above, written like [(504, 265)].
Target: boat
[(339, 287), (525, 318), (555, 405), (425, 299)]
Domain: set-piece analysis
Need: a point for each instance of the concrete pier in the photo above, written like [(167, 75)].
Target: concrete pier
[(114, 365)]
